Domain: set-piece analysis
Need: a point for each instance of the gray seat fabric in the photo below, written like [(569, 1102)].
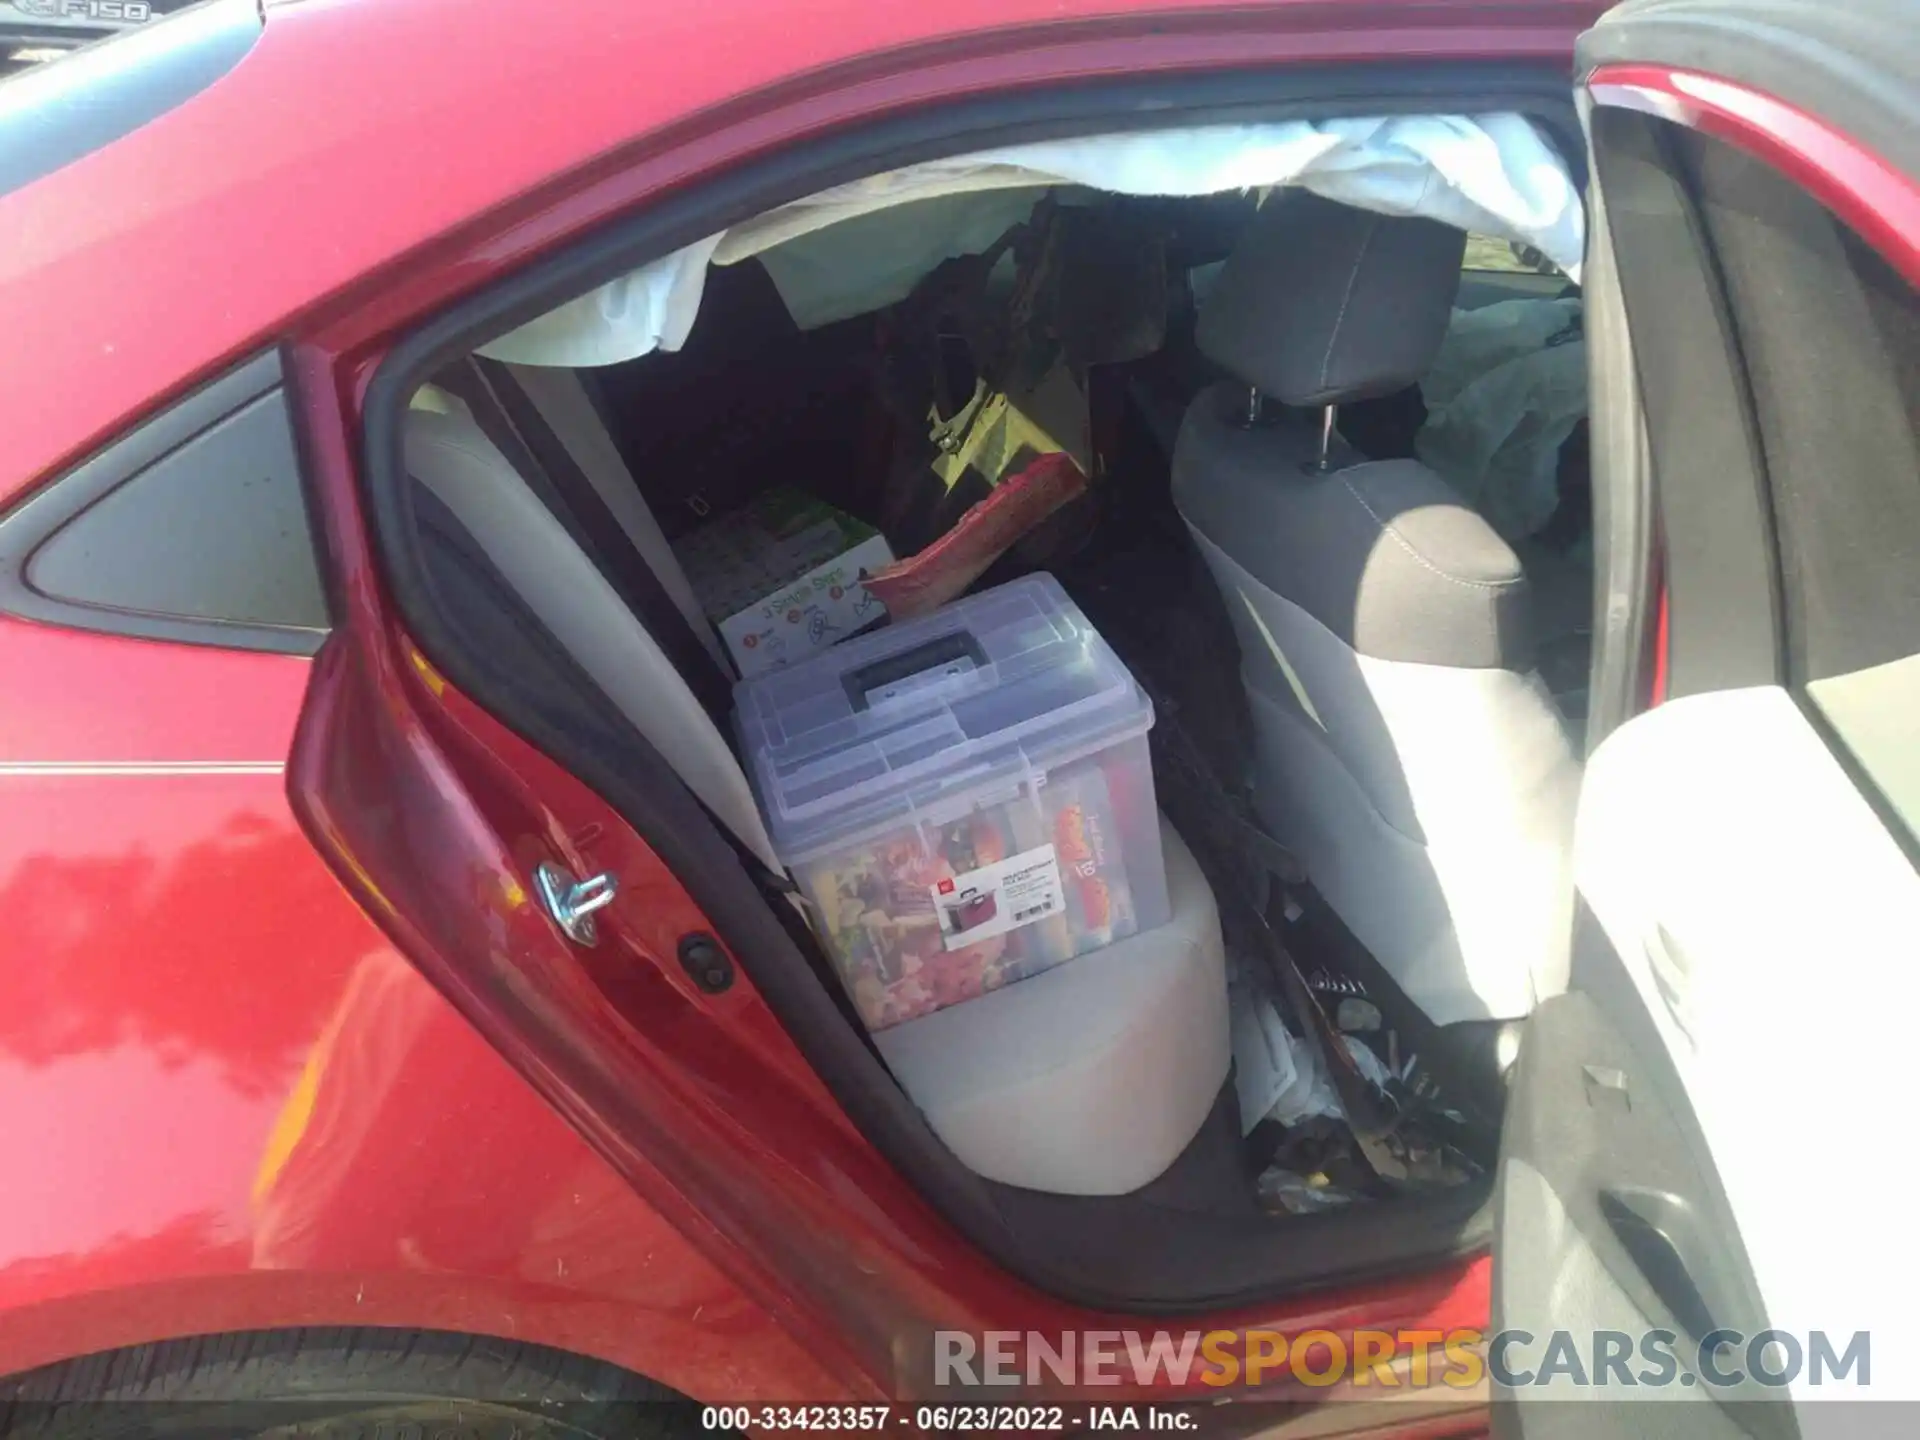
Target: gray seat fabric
[(1383, 554), (448, 453), (1092, 1078), (1321, 303), (560, 395), (1405, 748)]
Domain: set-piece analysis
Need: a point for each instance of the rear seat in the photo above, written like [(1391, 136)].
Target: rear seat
[(1090, 1079)]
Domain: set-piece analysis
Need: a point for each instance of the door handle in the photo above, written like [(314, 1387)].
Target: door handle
[(1659, 1232), (571, 902)]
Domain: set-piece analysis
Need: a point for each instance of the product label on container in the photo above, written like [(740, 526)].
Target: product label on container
[(828, 603), (978, 904)]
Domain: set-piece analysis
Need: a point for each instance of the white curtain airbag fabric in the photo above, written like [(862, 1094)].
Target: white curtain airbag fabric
[(1493, 174), (651, 309), (857, 265)]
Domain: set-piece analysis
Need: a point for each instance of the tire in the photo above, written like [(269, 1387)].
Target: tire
[(340, 1384)]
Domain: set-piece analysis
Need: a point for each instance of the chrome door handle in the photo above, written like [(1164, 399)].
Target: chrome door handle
[(572, 902)]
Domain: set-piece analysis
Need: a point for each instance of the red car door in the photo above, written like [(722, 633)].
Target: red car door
[(245, 1109), (658, 1040), (1745, 849), (654, 1044)]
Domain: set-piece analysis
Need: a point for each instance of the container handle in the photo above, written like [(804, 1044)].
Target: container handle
[(941, 652)]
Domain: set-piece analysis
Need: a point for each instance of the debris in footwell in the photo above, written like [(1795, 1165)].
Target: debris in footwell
[(1264, 1071), (1321, 1162), (1301, 1194), (1316, 1166), (1410, 1159), (1334, 1111)]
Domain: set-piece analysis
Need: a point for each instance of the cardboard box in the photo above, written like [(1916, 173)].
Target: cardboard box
[(781, 579)]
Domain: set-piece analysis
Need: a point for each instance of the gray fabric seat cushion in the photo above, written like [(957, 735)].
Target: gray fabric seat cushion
[(1093, 1077), (1382, 553)]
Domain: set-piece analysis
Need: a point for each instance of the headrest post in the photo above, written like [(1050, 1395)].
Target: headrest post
[(1326, 433), (1252, 417)]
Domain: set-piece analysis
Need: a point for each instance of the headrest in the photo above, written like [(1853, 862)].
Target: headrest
[(1321, 303)]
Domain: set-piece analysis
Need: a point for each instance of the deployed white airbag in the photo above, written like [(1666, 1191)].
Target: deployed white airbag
[(1493, 174)]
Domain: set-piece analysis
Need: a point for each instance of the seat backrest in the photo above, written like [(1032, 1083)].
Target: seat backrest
[(449, 453), (1404, 746), (560, 395)]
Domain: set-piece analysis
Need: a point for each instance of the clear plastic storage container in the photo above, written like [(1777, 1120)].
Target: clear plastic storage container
[(965, 798)]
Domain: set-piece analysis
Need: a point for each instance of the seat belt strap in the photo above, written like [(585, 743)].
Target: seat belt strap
[(606, 543)]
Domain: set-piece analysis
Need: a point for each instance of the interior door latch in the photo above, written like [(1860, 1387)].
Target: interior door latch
[(571, 902)]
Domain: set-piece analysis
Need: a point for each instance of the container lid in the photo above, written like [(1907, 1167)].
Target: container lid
[(917, 720)]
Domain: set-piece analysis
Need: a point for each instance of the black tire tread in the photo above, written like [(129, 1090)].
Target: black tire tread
[(254, 1380)]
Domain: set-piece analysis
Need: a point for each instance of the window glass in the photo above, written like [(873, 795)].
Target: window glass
[(1486, 252), (192, 526)]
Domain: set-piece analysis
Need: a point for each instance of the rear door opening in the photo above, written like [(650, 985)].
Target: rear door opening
[(602, 482)]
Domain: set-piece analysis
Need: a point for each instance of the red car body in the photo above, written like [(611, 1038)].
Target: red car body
[(238, 1093)]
